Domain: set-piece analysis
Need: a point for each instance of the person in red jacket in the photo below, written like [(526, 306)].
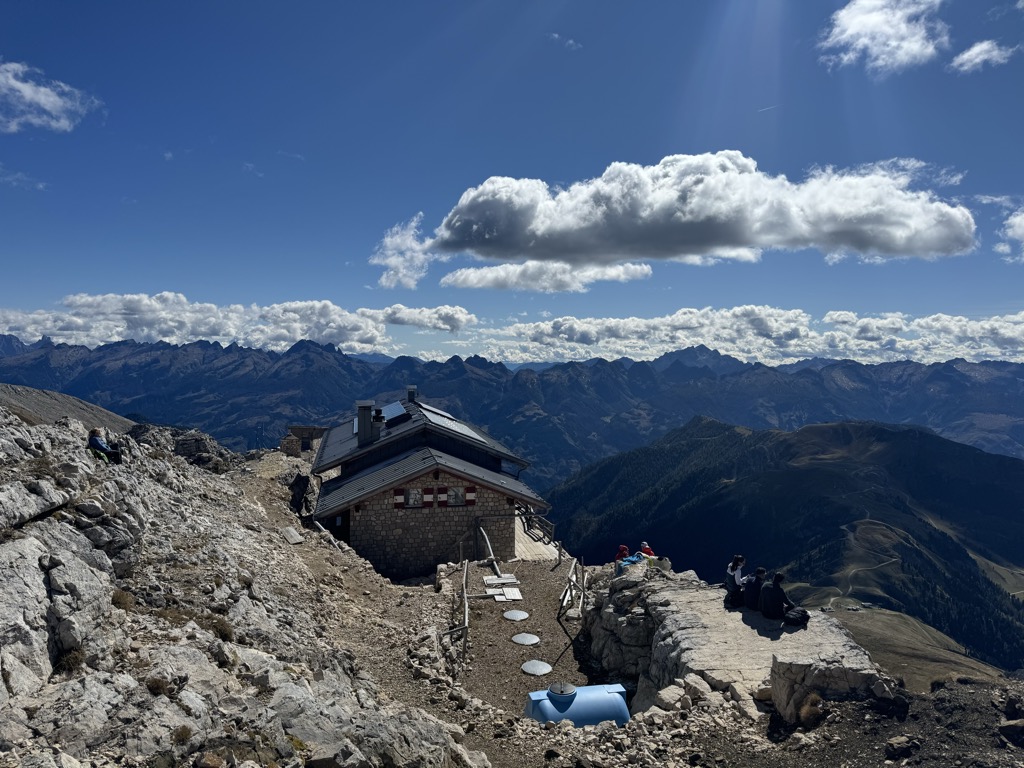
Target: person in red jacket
[(646, 549), (623, 553)]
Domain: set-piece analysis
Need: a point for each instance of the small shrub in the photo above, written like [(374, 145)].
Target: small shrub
[(70, 661), (123, 600), (181, 735), (158, 686), (811, 711), (222, 628)]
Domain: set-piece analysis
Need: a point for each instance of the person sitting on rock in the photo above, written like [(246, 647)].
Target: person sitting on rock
[(645, 548), (623, 553), (773, 602), (734, 581), (100, 449), (752, 588)]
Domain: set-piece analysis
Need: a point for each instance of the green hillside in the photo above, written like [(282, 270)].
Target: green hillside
[(890, 515)]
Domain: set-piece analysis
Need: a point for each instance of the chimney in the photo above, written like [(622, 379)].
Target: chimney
[(410, 393), (364, 430), (376, 424)]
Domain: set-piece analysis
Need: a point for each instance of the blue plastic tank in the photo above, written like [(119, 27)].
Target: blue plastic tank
[(586, 705)]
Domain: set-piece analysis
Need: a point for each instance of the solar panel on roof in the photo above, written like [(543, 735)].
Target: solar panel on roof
[(392, 410), (432, 409), (435, 417)]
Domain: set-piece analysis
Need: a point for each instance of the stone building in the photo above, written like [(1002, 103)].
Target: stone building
[(413, 486)]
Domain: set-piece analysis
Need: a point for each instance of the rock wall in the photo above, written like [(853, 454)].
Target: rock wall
[(672, 634)]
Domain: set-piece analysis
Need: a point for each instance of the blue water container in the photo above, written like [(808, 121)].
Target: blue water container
[(587, 705)]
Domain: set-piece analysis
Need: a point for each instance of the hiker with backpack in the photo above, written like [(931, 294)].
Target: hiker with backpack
[(100, 449), (774, 603)]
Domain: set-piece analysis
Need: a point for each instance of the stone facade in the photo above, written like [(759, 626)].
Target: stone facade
[(291, 445), (411, 541)]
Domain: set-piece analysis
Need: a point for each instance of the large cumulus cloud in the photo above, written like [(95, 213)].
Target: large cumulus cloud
[(691, 208), (91, 320)]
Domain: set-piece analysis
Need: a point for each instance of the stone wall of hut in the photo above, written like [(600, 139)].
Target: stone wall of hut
[(411, 541)]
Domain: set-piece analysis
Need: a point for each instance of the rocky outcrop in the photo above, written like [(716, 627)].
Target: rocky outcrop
[(141, 619), (672, 634)]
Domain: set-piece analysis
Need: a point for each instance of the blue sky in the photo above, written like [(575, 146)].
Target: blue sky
[(551, 180)]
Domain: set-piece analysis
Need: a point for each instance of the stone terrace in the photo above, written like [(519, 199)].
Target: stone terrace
[(673, 634)]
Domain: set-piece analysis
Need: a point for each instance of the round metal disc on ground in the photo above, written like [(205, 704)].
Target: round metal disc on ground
[(536, 667), (525, 638), (516, 615)]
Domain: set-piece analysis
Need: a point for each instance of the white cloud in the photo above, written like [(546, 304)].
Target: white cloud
[(1015, 226), (91, 320), (251, 168), (693, 208), (1002, 248), (1013, 229), (982, 53), (28, 100), (890, 35), (444, 318), (767, 334), (405, 257), (567, 42), (19, 179), (168, 156), (543, 276)]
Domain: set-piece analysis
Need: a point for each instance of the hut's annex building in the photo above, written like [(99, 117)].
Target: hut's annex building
[(412, 487)]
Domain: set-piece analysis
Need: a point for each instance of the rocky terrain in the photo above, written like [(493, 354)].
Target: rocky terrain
[(155, 613)]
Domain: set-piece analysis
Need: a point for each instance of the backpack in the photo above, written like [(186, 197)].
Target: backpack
[(796, 617)]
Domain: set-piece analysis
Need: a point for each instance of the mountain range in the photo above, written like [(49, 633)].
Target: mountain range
[(561, 417), (891, 516)]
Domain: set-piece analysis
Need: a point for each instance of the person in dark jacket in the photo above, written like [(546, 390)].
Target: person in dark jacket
[(99, 446), (773, 602), (752, 588)]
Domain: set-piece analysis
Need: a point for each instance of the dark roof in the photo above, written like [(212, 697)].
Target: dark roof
[(344, 492), (341, 443)]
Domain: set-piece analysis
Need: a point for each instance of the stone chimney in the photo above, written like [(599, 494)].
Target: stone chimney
[(410, 393), (364, 422)]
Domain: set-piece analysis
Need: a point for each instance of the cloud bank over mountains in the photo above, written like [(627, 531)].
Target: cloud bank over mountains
[(92, 320), (696, 209), (767, 334)]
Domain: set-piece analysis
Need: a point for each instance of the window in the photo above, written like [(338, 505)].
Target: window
[(456, 496), (414, 497)]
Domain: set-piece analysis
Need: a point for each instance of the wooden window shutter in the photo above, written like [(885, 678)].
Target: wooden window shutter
[(399, 498), (428, 497), (470, 495), (442, 496)]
